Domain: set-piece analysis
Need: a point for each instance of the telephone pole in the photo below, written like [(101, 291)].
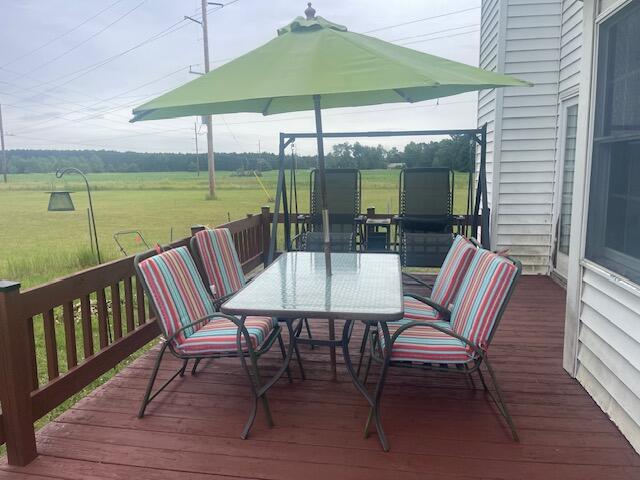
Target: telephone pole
[(195, 133), (5, 160), (210, 160)]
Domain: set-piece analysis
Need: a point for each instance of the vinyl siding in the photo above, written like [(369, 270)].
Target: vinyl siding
[(608, 363), (523, 153)]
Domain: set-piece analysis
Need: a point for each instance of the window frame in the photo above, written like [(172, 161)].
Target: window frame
[(594, 237)]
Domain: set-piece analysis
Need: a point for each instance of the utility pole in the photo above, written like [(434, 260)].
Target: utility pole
[(5, 160), (195, 133), (210, 160)]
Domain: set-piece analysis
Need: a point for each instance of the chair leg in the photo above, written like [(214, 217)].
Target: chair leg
[(284, 355), (185, 362), (154, 373), (484, 384), (502, 406), (254, 399), (195, 366), (332, 349)]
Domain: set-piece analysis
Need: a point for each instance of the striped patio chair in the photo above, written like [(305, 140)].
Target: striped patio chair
[(193, 329), (446, 286), (463, 341), (215, 253)]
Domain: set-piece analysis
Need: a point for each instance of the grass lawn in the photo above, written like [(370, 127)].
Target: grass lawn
[(37, 246)]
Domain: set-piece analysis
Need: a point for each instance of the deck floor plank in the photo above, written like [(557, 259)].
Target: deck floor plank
[(438, 427)]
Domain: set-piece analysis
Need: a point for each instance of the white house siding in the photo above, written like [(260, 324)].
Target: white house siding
[(608, 354), (521, 160), (602, 330)]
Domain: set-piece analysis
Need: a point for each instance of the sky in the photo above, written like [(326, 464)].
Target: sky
[(71, 72)]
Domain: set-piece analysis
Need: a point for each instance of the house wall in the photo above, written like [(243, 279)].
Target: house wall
[(602, 329), (521, 162)]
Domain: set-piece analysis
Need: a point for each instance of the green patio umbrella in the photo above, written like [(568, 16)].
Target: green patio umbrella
[(313, 64)]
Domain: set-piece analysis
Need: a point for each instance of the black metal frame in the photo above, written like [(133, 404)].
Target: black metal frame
[(258, 389), (479, 136), (468, 369)]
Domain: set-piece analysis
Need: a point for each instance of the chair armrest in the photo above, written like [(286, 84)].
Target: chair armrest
[(427, 301)]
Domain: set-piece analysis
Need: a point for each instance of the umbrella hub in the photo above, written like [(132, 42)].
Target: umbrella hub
[(303, 25), (310, 12)]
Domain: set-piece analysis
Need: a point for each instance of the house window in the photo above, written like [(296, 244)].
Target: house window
[(568, 168), (613, 231)]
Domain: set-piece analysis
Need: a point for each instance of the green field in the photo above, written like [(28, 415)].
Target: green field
[(37, 245)]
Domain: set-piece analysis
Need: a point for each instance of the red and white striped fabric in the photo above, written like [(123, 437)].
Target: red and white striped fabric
[(452, 272), (220, 336), (220, 261)]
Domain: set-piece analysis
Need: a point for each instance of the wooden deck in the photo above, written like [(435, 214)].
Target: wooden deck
[(437, 426)]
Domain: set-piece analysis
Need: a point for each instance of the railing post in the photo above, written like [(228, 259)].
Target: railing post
[(15, 379), (266, 234), (196, 228)]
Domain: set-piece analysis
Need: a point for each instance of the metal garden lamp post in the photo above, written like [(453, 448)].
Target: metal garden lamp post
[(61, 201)]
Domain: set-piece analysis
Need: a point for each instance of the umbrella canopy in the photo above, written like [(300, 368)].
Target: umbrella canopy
[(317, 57), (314, 64)]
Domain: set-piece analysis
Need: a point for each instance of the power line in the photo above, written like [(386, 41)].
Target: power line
[(442, 36), (78, 45), (433, 33), (421, 20), (46, 44)]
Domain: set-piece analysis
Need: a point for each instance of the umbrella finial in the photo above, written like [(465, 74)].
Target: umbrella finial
[(310, 12)]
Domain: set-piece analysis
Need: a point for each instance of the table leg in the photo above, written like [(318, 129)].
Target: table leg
[(332, 348), (373, 400)]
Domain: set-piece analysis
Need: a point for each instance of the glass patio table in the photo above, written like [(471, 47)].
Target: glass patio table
[(363, 287)]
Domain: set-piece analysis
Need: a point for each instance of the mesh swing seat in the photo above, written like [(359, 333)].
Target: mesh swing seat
[(425, 223)]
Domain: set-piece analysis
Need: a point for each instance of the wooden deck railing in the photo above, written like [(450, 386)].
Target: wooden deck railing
[(102, 319)]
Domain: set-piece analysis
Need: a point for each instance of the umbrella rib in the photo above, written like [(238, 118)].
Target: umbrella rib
[(266, 108), (404, 96)]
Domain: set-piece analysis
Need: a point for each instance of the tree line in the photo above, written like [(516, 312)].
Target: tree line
[(456, 153)]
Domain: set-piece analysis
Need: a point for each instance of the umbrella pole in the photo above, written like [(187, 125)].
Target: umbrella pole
[(323, 185)]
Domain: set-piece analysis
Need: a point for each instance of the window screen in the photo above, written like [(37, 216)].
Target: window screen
[(613, 233)]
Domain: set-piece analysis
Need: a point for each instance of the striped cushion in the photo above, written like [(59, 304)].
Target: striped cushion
[(176, 290), (482, 292), (452, 272), (219, 336), (220, 261), (420, 312), (426, 345)]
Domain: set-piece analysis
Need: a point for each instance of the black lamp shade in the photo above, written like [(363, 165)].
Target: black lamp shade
[(60, 202)]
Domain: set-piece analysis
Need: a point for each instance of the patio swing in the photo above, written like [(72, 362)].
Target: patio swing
[(425, 224)]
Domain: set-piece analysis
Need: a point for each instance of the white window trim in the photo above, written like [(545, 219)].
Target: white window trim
[(568, 100)]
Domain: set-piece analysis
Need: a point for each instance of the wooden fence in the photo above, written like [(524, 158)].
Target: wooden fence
[(104, 319)]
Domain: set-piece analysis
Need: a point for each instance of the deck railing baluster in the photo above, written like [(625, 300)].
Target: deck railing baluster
[(128, 304), (51, 347), (103, 322), (87, 327), (116, 311), (68, 319)]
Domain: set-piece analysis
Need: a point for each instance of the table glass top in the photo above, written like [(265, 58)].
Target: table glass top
[(362, 286)]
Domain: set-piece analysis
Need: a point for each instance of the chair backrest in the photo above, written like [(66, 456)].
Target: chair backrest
[(426, 199), (343, 199), (340, 242), (453, 270), (174, 287), (483, 296), (215, 251)]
